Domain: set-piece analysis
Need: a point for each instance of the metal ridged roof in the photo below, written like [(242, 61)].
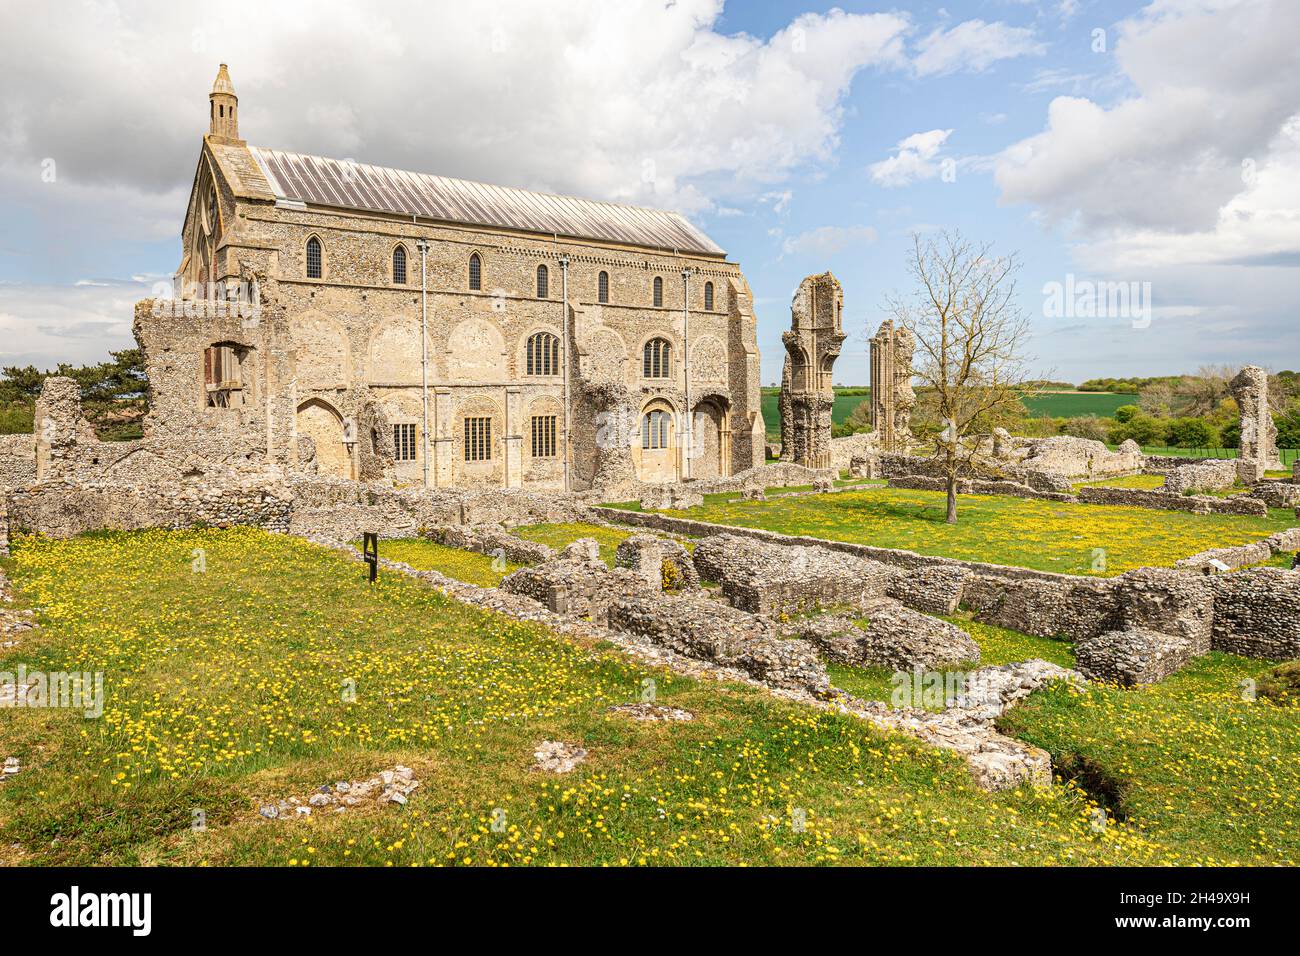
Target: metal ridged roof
[(318, 181)]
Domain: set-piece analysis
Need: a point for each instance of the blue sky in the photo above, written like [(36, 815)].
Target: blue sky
[(1142, 143)]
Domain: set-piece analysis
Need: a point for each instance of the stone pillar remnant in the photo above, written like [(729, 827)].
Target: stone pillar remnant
[(812, 345), (1258, 433), (892, 396)]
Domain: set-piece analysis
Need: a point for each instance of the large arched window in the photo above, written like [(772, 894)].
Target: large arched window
[(708, 297), (659, 291), (399, 265), (314, 258), (656, 359), (543, 282), (475, 272), (655, 428), (602, 286), (543, 354)]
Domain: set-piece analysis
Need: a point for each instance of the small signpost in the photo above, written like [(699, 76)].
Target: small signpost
[(370, 551)]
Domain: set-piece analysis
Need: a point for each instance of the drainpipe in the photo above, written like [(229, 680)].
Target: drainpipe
[(686, 365), (423, 246), (564, 285)]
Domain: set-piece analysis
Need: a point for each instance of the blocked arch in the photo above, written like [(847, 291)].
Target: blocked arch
[(319, 420)]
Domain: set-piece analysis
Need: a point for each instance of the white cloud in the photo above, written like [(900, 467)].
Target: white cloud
[(1214, 84), (827, 240), (913, 159), (580, 98), (973, 46)]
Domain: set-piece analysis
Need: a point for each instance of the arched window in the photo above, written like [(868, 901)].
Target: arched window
[(399, 265), (475, 272), (543, 354), (654, 429), (602, 287), (656, 359), (313, 258), (543, 282), (708, 297), (659, 291)]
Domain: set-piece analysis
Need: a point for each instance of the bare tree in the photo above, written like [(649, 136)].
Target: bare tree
[(969, 335)]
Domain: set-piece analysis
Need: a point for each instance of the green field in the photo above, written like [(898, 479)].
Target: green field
[(844, 405), (1024, 532), (223, 694), (1075, 404), (1054, 404)]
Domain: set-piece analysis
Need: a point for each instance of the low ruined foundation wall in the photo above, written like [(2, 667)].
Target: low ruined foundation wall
[(976, 486), (1257, 613), (1168, 501), (340, 510), (63, 509)]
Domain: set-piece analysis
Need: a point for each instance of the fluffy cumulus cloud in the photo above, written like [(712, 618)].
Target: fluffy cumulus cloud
[(1203, 146), (636, 101), (973, 46), (914, 158), (641, 101), (1190, 181)]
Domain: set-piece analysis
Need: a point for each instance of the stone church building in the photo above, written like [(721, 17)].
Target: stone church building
[(342, 318)]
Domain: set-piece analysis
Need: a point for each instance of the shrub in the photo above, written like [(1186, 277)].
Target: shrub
[(1143, 429), (1192, 433), (1125, 413)]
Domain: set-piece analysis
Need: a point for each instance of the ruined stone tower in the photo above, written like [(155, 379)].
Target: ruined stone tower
[(812, 345), (1258, 433), (892, 396)]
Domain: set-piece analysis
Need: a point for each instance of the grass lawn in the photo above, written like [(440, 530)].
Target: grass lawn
[(1031, 533), (467, 566), (1189, 758), (224, 691)]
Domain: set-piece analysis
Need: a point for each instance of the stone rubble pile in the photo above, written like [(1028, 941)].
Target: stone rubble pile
[(387, 787), (996, 762), (652, 712), (556, 756)]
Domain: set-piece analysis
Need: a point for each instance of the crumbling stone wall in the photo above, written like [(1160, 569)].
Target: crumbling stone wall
[(1211, 475), (706, 629), (62, 508), (765, 579), (1167, 501), (1257, 613)]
